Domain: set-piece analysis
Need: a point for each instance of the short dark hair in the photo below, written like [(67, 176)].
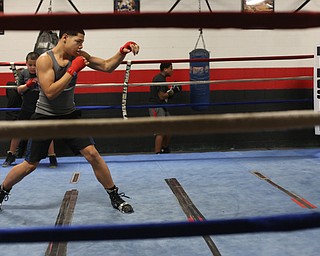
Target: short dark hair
[(164, 65), (71, 32), (32, 56)]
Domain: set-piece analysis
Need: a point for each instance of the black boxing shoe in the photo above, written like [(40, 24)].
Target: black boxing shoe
[(10, 159), (165, 150), (53, 163), (4, 195), (117, 202)]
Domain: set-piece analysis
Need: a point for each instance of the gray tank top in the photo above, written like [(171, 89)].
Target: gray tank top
[(63, 104)]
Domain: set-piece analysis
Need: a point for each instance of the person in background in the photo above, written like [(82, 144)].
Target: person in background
[(29, 89), (15, 101), (159, 95)]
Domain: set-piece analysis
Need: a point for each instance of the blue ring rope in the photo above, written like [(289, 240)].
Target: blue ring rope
[(182, 105), (278, 223)]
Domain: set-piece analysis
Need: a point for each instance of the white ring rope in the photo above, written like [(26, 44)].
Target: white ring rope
[(188, 82), (145, 126)]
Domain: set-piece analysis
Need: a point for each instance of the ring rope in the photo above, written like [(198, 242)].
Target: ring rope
[(206, 82), (5, 63), (187, 82), (160, 230), (178, 125), (253, 58), (226, 59), (191, 105), (214, 20), (92, 107)]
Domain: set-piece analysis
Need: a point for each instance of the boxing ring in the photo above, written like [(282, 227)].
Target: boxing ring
[(218, 203), (242, 211)]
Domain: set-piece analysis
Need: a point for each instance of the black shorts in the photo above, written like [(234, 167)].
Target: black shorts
[(25, 115), (37, 149)]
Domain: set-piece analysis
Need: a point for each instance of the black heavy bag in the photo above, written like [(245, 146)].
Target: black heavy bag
[(199, 71), (46, 41)]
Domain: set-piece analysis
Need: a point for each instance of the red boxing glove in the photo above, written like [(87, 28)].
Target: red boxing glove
[(126, 46), (31, 82), (76, 65)]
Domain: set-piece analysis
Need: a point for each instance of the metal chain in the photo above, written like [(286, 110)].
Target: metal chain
[(50, 7)]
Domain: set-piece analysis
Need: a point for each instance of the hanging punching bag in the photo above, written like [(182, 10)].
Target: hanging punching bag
[(199, 71), (46, 39)]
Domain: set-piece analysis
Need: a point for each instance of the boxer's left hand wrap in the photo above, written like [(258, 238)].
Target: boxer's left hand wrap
[(31, 82), (126, 48), (76, 66)]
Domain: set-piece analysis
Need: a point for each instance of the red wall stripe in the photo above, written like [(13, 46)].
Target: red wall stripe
[(144, 76)]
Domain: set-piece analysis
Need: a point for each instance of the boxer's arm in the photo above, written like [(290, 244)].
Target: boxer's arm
[(110, 64), (46, 77)]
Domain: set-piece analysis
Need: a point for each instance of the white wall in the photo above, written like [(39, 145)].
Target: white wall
[(172, 43)]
